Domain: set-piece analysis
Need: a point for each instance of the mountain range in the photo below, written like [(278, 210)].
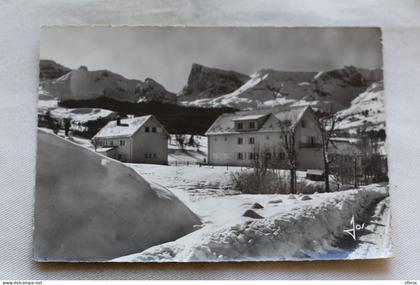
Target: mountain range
[(82, 84), (331, 90)]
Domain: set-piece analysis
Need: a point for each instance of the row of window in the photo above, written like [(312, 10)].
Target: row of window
[(240, 126), (251, 125), (255, 155), (111, 143), (153, 129), (251, 140), (241, 140), (150, 155)]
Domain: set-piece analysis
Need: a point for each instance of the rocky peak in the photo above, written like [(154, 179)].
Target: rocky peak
[(207, 82), (150, 90)]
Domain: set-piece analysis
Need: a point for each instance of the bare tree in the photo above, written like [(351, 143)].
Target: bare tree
[(180, 140), (191, 141), (288, 133), (67, 125), (327, 126)]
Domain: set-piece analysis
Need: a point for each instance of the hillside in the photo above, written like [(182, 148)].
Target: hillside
[(49, 69), (177, 119), (262, 89), (366, 112), (82, 84), (341, 86), (328, 90)]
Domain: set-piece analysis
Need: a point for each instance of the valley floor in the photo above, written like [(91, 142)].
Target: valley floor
[(293, 227)]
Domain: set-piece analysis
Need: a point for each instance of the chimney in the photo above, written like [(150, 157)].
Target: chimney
[(118, 121)]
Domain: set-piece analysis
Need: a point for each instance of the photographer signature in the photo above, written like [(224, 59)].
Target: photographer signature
[(355, 227)]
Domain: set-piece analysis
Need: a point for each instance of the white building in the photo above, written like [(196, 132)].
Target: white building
[(138, 140), (237, 138)]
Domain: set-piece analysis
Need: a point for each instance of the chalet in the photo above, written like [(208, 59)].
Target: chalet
[(239, 138), (138, 140)]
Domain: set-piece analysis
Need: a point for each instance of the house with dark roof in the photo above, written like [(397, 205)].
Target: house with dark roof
[(238, 139), (138, 140)]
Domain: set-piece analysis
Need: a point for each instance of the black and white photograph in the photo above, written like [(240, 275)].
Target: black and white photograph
[(211, 144)]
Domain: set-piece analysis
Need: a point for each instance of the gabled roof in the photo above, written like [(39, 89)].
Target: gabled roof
[(250, 117), (225, 123), (126, 128)]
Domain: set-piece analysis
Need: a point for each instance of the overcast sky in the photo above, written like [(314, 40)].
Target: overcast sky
[(166, 54)]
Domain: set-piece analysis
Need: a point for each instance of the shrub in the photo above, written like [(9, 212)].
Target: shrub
[(253, 182), (271, 181)]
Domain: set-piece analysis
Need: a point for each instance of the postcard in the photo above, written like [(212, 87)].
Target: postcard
[(211, 144)]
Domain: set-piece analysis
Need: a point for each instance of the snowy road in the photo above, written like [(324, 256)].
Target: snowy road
[(296, 227), (377, 236)]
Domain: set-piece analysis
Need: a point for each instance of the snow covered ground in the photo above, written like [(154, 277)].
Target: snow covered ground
[(293, 227), (367, 110), (189, 154)]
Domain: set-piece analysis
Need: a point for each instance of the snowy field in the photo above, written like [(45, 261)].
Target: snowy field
[(293, 227), (189, 154)]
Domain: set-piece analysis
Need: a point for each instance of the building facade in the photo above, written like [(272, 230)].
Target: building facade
[(136, 140), (237, 139)]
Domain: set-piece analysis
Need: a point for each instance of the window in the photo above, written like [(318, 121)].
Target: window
[(154, 155), (146, 156), (147, 129), (251, 125), (302, 123), (267, 137), (122, 142), (240, 140), (282, 156), (153, 129), (240, 126), (268, 155), (240, 156), (251, 156), (112, 143), (311, 140), (251, 140)]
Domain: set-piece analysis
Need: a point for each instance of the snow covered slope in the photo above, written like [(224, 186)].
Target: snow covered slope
[(328, 90), (82, 84), (82, 115), (341, 86), (302, 228), (264, 87), (367, 111), (92, 208)]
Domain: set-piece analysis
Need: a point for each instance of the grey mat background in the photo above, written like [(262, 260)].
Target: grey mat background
[(19, 33)]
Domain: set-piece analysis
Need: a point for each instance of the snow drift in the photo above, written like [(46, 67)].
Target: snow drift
[(291, 229), (91, 208)]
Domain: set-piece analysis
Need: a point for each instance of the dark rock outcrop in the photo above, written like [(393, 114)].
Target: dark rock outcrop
[(150, 90), (252, 214), (257, 206), (206, 82)]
